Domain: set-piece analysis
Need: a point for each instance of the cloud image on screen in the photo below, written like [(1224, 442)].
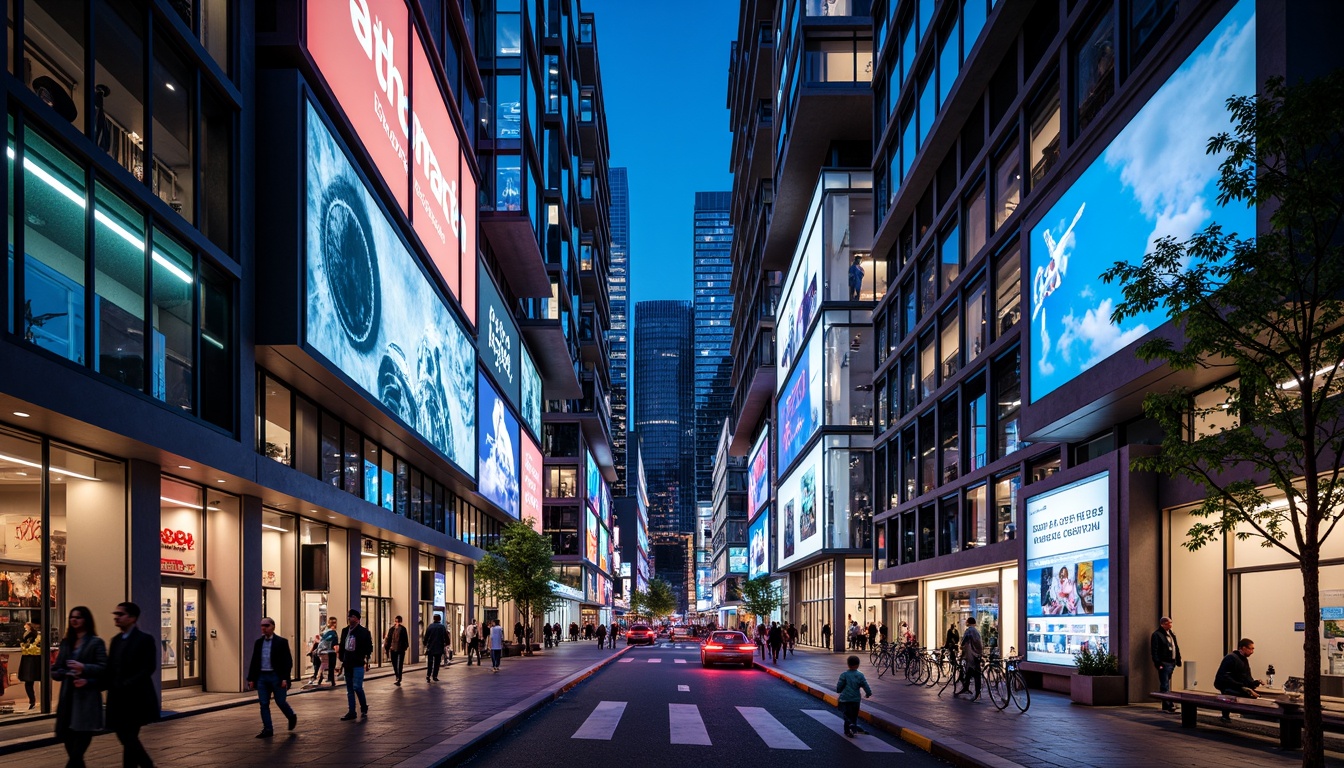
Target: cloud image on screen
[(372, 313), (1154, 180), (498, 479)]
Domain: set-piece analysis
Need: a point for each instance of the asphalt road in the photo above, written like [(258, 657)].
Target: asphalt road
[(658, 707)]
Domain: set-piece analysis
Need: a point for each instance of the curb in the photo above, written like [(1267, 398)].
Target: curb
[(455, 748), (935, 743)]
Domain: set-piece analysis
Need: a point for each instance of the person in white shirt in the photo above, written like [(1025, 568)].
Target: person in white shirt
[(496, 645)]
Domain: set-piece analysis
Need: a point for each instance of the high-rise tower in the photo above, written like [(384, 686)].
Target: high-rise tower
[(713, 301), (618, 338)]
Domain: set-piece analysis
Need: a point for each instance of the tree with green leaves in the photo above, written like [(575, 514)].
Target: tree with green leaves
[(760, 597), (637, 597), (658, 601), (518, 569), (1264, 313)]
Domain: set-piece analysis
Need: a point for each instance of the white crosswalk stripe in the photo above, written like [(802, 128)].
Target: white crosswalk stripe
[(685, 688), (627, 659), (655, 660), (601, 724), (687, 725), (836, 723), (774, 733), (679, 661)]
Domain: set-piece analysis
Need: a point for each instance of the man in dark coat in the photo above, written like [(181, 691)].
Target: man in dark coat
[(356, 647), (518, 632), (436, 641), (774, 639), (826, 634), (269, 672), (1166, 653), (1234, 674), (132, 701), (396, 644), (601, 635)]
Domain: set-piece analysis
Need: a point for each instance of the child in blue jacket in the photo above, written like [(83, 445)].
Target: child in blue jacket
[(851, 680)]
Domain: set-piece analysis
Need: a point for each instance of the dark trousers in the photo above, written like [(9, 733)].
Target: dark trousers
[(850, 711), (601, 640), (433, 661), (474, 649), (133, 754), (495, 654), (1164, 672), (76, 744), (774, 652), (398, 662), (268, 685), (971, 672)]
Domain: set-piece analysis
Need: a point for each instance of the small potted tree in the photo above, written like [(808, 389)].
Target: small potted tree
[(1098, 682)]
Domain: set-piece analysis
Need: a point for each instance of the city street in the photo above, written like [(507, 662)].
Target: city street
[(658, 703)]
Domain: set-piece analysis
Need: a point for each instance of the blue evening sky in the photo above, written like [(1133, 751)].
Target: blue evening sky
[(664, 80)]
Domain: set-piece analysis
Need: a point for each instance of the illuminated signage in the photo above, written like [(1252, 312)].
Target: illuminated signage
[(498, 451), (440, 590), (758, 546), (1150, 182), (737, 559), (590, 538), (1068, 570), (530, 482), (799, 406), (373, 314), (758, 474), (531, 393), (800, 524), (497, 341), (371, 54), (801, 297), (603, 549)]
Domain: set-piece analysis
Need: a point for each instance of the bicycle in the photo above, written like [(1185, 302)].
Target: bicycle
[(1006, 683)]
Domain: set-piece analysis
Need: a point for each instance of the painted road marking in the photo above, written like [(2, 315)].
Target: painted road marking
[(687, 726), (679, 661), (685, 688), (655, 660), (836, 723), (772, 732), (627, 659), (601, 724)]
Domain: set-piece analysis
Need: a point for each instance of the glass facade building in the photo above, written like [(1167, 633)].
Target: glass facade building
[(713, 302), (618, 338)]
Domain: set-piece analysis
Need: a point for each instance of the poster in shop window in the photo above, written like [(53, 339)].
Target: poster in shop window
[(1068, 570)]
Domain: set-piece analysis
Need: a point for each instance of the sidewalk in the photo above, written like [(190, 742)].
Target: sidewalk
[(416, 725), (1052, 733)]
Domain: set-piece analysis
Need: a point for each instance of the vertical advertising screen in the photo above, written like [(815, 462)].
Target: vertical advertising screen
[(800, 406), (498, 480), (497, 341), (603, 545), (593, 485), (1068, 570), (375, 316), (530, 481), (370, 54), (801, 297), (1151, 181), (590, 537), (758, 474), (737, 559), (799, 505), (531, 394), (758, 545), (440, 590)]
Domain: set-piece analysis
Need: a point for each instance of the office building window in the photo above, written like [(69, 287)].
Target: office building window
[(1094, 70), (173, 359), (1007, 292), (53, 288), (975, 518), (119, 284), (928, 453), (949, 439), (928, 364), (1044, 138), (977, 327), (909, 480), (1007, 184), (950, 341), (977, 226), (1007, 378), (1006, 487), (949, 530), (977, 422)]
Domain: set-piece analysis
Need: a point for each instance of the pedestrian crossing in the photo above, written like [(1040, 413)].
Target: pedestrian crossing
[(686, 725)]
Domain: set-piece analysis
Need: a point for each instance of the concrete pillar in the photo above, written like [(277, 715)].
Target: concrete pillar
[(142, 549), (839, 627)]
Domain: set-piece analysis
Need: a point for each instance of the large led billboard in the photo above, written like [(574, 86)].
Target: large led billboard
[(801, 296), (375, 316), (1068, 570), (737, 559), (798, 502), (498, 479), (758, 474), (590, 537), (377, 67), (1153, 180), (497, 341), (531, 394), (603, 546), (530, 475), (800, 406), (758, 545)]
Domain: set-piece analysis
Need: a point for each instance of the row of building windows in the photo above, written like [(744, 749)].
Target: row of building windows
[(982, 514)]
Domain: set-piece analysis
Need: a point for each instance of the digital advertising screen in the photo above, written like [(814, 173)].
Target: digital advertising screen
[(530, 479), (737, 559), (799, 510), (1152, 181), (801, 298), (531, 394), (758, 545), (440, 590), (758, 474), (800, 406), (593, 485), (590, 537), (498, 479), (603, 549), (497, 341), (1068, 570), (374, 315)]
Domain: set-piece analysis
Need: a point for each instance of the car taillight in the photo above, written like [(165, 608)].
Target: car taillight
[(714, 647), (746, 648)]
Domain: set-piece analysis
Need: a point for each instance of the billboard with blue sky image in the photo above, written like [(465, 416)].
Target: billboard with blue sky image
[(1153, 180)]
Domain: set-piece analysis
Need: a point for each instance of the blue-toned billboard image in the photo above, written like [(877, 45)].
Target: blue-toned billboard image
[(593, 484), (374, 315), (1154, 180), (758, 473), (799, 406), (758, 546), (499, 449), (531, 394)]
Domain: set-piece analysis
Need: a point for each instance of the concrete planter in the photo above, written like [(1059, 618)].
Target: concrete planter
[(1099, 690)]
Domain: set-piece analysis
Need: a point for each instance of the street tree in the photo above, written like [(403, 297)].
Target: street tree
[(637, 600), (658, 600), (518, 569), (1265, 313), (760, 597)]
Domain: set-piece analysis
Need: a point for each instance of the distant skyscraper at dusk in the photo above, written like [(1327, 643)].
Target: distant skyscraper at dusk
[(618, 338), (713, 302)]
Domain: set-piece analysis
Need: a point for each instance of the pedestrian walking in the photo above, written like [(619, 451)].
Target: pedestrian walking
[(395, 646), (496, 645), (826, 635), (792, 638), (473, 643), (80, 662), (854, 635), (132, 702), (601, 635), (573, 632), (518, 632), (848, 686), (435, 642), (611, 636), (872, 634), (331, 642), (269, 672), (972, 648), (760, 639), (775, 639), (356, 646), (555, 630), (546, 635), (952, 639), (1166, 653)]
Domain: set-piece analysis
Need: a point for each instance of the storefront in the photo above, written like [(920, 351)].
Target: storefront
[(989, 596)]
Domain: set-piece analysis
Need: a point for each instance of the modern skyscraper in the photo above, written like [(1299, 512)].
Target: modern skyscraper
[(713, 301), (664, 422), (618, 338)]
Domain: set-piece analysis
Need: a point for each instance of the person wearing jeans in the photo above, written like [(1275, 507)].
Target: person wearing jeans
[(496, 645), (269, 673), (1166, 653), (355, 649)]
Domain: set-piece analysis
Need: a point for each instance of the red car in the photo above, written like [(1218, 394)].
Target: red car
[(639, 634), (727, 648)]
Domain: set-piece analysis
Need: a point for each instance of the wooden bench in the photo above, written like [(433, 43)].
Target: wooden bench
[(1287, 713)]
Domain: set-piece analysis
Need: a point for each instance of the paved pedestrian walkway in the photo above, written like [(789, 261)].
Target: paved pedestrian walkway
[(416, 725), (1053, 733)]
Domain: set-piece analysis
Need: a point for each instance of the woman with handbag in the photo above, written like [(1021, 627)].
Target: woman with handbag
[(30, 660), (79, 665)]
